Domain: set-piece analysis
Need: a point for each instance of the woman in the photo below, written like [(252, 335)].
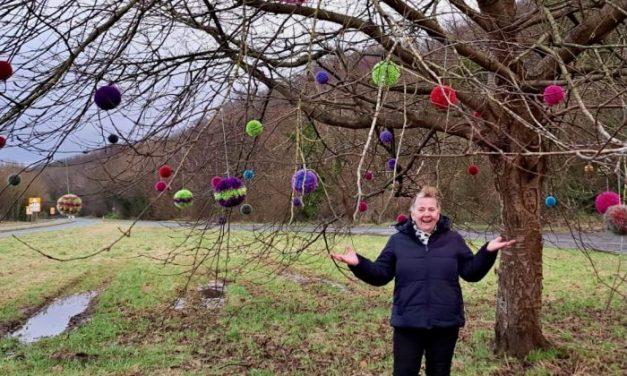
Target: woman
[(426, 259)]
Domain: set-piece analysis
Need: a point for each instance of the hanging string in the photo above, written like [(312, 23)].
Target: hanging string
[(67, 177), (226, 154)]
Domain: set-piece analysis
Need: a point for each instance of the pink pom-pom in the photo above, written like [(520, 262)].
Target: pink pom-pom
[(606, 199), (161, 186), (368, 175), (215, 181), (553, 95), (363, 206)]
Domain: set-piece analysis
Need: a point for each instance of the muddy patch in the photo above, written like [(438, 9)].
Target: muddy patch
[(55, 318), (209, 296)]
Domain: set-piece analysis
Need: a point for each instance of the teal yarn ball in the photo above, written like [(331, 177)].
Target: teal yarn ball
[(183, 198), (386, 73), (550, 201), (254, 128), (14, 180), (248, 174)]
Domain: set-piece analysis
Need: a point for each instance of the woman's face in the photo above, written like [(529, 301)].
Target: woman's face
[(425, 213)]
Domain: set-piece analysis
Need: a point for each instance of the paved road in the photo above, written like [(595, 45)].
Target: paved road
[(601, 241)]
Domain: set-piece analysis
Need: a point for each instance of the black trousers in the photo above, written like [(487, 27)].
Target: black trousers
[(437, 344)]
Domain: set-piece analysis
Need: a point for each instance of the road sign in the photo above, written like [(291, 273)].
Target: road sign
[(35, 204)]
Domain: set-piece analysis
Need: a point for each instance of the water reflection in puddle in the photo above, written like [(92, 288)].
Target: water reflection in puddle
[(53, 319)]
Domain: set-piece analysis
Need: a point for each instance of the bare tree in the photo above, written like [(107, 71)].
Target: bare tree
[(178, 61)]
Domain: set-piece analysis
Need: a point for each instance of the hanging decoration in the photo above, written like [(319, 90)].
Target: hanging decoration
[(322, 77), (14, 180), (391, 164), (161, 186), (304, 181), (473, 169), (246, 209), (443, 96), (215, 181), (297, 202), (113, 138), (386, 73), (362, 207), (165, 171), (183, 198), (69, 204), (254, 128), (606, 199), (368, 175), (588, 168), (401, 218), (248, 174), (553, 95), (108, 97), (229, 192), (6, 70), (550, 201), (3, 141), (616, 219), (386, 137)]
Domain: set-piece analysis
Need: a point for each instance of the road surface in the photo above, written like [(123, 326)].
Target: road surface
[(601, 241)]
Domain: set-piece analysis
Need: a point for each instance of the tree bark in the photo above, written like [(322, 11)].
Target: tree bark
[(519, 299)]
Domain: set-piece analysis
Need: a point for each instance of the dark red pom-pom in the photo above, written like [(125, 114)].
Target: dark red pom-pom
[(363, 206), (6, 70), (442, 96), (401, 218), (473, 169), (368, 175), (165, 171), (3, 141)]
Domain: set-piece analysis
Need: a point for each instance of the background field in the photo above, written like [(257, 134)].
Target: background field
[(286, 312)]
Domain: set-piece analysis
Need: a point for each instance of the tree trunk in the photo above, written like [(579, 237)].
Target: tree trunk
[(519, 300)]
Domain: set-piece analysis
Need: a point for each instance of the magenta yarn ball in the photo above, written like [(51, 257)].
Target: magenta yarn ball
[(616, 219), (362, 207), (161, 186), (391, 164), (304, 181), (386, 137), (215, 181), (553, 95), (606, 199), (108, 97), (368, 175)]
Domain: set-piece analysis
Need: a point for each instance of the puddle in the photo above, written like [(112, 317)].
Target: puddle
[(302, 280), (54, 319), (212, 296)]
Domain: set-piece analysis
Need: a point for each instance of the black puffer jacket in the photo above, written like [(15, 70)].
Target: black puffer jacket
[(427, 293)]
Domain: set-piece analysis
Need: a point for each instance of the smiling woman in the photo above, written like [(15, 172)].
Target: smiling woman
[(426, 259)]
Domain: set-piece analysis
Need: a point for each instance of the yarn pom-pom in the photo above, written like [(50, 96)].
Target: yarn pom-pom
[(553, 95), (304, 181), (606, 199), (616, 219), (443, 96)]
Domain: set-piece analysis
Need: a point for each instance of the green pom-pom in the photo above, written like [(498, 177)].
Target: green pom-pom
[(254, 128), (183, 198), (386, 73)]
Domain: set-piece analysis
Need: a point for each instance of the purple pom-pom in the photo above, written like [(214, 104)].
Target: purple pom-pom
[(304, 181), (226, 194), (221, 220), (322, 77), (297, 202), (108, 97), (391, 164), (606, 199), (386, 136)]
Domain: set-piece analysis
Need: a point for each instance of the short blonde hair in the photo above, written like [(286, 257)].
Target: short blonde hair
[(427, 191)]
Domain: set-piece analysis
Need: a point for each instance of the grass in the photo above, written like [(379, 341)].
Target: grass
[(280, 317)]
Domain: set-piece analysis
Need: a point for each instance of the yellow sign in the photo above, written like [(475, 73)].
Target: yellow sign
[(35, 204)]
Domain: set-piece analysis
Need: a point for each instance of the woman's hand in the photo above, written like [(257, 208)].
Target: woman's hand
[(499, 243), (349, 257)]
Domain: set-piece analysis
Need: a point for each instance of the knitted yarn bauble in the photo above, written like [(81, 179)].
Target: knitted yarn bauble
[(183, 198), (69, 204), (108, 97), (304, 181), (230, 192)]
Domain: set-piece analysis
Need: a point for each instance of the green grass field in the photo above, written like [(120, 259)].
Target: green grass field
[(287, 311)]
